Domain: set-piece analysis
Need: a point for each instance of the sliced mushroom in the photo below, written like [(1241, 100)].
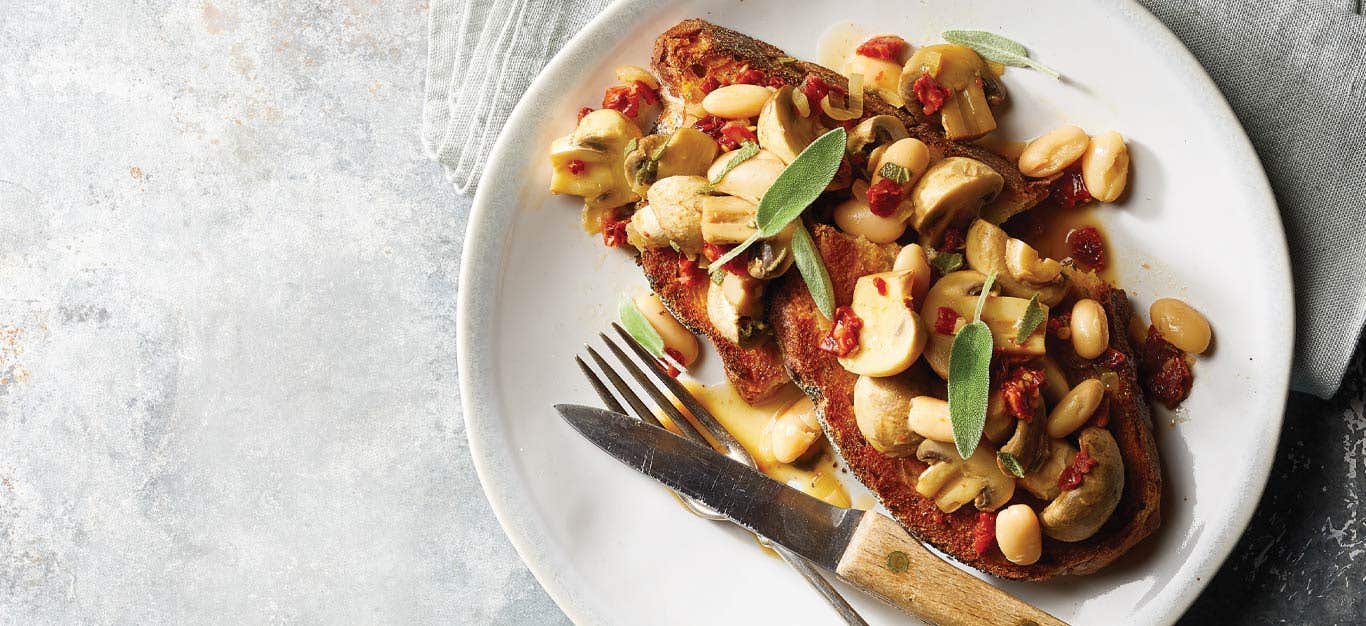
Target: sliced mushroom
[(782, 130), (953, 481), (728, 219), (880, 407), (959, 292), (677, 205), (1076, 514), (951, 194), (685, 152), (966, 114), (744, 293), (589, 161), (1019, 269), (1000, 423), (892, 336), (1029, 444), (878, 130), (727, 320), (750, 179), (1043, 481)]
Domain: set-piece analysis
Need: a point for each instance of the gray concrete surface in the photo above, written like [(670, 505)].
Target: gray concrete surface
[(227, 351)]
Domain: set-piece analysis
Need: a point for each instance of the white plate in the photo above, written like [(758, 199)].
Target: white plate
[(612, 547)]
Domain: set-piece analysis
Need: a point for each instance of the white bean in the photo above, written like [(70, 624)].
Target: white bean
[(1090, 329), (1018, 534), (1105, 166), (674, 335), (1053, 151), (735, 102), (1180, 324), (1075, 408)]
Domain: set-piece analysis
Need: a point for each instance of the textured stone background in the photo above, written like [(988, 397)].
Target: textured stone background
[(227, 386)]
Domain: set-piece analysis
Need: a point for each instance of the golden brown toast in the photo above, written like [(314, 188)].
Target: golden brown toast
[(683, 57), (799, 327), (756, 372)]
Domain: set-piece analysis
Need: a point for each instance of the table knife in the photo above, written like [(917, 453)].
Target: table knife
[(866, 549)]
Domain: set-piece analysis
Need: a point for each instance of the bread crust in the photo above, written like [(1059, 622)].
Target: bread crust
[(798, 327)]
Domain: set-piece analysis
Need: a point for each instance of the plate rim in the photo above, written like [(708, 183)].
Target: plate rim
[(484, 235)]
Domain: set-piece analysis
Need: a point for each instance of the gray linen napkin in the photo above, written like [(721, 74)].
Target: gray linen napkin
[(1295, 73)]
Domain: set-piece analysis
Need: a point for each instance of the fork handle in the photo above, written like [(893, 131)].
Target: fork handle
[(927, 587)]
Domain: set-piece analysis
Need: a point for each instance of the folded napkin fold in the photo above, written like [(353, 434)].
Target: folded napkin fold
[(1294, 72)]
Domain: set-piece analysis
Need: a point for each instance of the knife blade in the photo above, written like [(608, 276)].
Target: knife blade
[(867, 549)]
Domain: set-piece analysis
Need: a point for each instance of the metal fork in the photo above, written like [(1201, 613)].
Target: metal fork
[(733, 449)]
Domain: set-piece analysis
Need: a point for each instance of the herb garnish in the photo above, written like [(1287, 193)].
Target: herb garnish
[(746, 152), (799, 184), (894, 172), (632, 145), (970, 377), (1029, 322), (640, 328), (997, 48), (898, 561), (947, 262), (1011, 464), (812, 267)]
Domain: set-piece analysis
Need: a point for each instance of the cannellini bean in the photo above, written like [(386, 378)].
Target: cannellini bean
[(793, 431), (735, 102), (1090, 329), (929, 418), (674, 335), (911, 154), (1075, 408), (1105, 166), (628, 74), (1018, 534), (912, 257), (854, 217), (1180, 324), (1053, 151)]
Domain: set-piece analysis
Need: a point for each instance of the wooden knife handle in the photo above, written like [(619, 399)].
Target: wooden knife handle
[(927, 586)]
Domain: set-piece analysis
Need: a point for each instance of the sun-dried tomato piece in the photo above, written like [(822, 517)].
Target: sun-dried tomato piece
[(930, 93), (885, 47), (843, 337), (881, 285), (945, 321), (614, 232), (576, 166), (750, 76), (775, 81), (1069, 190), (646, 93), (709, 84), (954, 240), (1112, 359), (984, 532), (815, 88), (735, 133), (1164, 370), (883, 197), (1081, 465), (688, 272), (674, 357), (1087, 246), (714, 127), (627, 98), (583, 112), (1020, 390)]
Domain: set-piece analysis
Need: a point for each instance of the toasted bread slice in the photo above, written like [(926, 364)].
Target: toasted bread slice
[(683, 57), (757, 371), (799, 327)]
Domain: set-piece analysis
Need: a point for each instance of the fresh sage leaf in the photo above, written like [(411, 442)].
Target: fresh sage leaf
[(996, 48), (1029, 322), (969, 381), (812, 267), (632, 145), (799, 184), (640, 328), (947, 262), (1011, 464), (895, 173), (746, 152), (659, 152)]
